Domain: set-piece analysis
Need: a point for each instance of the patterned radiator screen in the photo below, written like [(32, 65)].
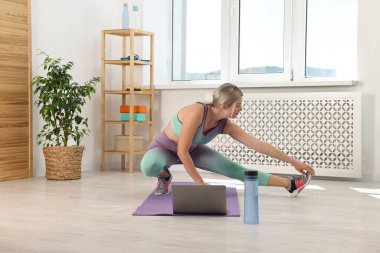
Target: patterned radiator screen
[(320, 129)]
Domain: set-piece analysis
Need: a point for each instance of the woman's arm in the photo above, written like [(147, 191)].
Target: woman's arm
[(263, 147), (190, 124)]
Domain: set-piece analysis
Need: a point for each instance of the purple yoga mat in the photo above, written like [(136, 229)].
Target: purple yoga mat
[(162, 205)]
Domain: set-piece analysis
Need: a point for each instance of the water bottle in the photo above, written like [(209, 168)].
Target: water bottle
[(135, 17), (251, 197), (125, 24)]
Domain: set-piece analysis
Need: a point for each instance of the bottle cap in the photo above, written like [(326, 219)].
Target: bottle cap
[(251, 173), (125, 5), (135, 8)]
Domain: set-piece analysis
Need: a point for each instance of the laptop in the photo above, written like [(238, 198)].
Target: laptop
[(199, 199)]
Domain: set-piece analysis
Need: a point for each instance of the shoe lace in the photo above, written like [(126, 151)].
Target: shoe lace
[(299, 181), (161, 183)]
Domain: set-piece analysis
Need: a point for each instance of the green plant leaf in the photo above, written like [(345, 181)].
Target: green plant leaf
[(60, 102)]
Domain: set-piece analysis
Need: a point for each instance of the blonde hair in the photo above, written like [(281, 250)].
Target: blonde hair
[(226, 95)]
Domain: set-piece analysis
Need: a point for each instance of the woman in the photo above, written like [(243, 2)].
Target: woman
[(183, 139)]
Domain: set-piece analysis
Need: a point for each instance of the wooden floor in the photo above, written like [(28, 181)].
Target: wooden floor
[(94, 214)]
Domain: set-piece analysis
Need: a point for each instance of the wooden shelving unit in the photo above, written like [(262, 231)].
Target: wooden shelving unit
[(128, 90)]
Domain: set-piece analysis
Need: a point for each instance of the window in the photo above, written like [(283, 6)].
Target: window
[(260, 42), (196, 40), (331, 38), (261, 47), (250, 41)]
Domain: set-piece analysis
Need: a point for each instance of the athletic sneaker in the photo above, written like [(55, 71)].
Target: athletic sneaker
[(163, 184), (298, 183)]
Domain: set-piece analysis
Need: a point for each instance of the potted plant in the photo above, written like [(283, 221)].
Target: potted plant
[(60, 102)]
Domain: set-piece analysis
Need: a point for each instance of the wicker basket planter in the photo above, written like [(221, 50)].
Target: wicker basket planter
[(63, 163)]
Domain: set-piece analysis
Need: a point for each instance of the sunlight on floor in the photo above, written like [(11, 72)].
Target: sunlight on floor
[(226, 182), (367, 190), (375, 196), (375, 193), (315, 187)]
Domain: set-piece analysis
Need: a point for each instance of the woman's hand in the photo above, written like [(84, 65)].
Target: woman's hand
[(303, 168), (199, 182)]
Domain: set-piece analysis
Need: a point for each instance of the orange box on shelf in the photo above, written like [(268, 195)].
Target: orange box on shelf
[(140, 108), (136, 108), (124, 108)]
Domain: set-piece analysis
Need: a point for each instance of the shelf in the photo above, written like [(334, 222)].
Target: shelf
[(127, 32), (135, 152), (130, 92), (127, 122), (126, 62), (124, 92)]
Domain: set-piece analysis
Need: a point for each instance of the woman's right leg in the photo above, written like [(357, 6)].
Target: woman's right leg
[(155, 163), (156, 160)]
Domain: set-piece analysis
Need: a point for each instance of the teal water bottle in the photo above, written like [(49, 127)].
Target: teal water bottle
[(125, 20), (251, 197)]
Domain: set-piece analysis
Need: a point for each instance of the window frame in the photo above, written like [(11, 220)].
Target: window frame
[(235, 77), (183, 57), (294, 52)]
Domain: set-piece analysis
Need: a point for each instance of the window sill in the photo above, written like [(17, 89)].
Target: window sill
[(199, 85)]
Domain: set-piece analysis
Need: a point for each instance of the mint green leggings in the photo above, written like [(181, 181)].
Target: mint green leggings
[(158, 158)]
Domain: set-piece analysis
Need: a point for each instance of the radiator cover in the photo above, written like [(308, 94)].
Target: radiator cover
[(320, 129)]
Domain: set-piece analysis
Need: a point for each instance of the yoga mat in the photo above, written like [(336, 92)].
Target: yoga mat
[(162, 204)]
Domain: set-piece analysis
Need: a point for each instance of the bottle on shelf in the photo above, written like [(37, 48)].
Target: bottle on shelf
[(251, 197), (125, 17), (135, 17)]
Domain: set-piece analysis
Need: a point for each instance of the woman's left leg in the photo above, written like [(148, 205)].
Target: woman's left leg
[(211, 160)]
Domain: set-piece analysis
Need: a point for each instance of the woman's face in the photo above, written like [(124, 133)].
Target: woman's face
[(236, 107)]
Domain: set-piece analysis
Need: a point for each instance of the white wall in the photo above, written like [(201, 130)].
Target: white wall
[(71, 29), (368, 67), (368, 62), (156, 19)]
